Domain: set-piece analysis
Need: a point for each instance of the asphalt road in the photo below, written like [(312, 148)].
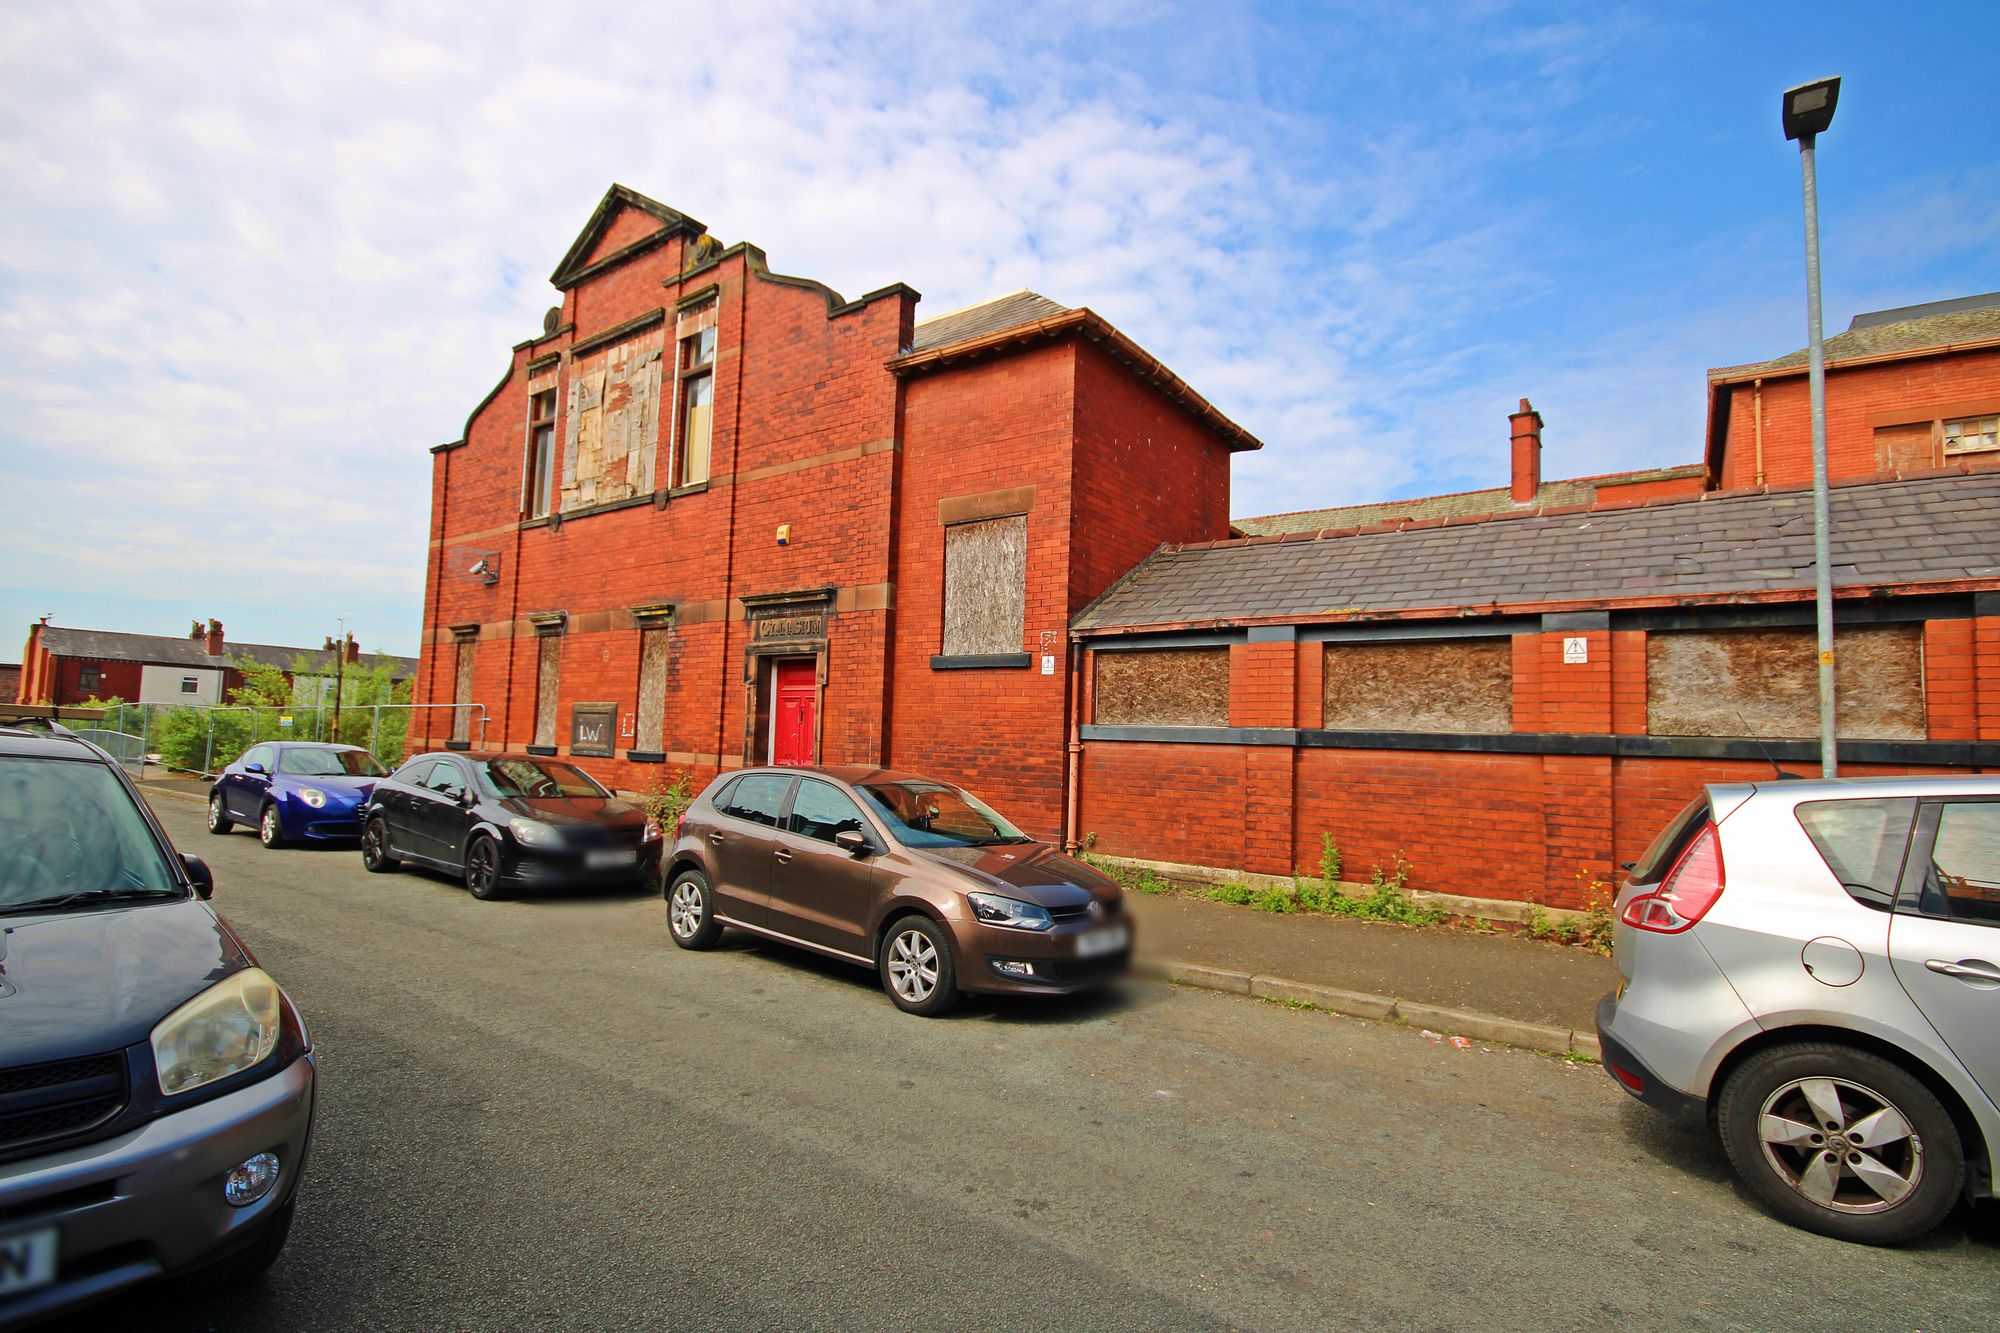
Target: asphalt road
[(541, 1114)]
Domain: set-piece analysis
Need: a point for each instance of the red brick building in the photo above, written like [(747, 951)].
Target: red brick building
[(713, 515), (1515, 688)]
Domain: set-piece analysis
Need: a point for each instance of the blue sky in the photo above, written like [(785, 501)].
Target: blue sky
[(256, 259)]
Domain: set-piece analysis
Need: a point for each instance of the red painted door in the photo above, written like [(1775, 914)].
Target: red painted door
[(792, 723)]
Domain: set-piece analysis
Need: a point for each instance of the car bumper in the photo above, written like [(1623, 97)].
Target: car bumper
[(998, 961), (527, 868), (1625, 1067), (149, 1202)]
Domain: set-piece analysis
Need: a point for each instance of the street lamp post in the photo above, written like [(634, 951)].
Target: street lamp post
[(1808, 111)]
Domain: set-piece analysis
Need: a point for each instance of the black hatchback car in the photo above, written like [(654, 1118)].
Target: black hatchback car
[(156, 1086), (507, 821)]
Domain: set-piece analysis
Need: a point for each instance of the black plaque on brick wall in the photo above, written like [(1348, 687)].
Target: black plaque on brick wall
[(593, 730)]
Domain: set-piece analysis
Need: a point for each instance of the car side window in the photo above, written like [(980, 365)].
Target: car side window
[(413, 773), (821, 810), (259, 754), (1862, 843), (757, 797), (1964, 875), (446, 777)]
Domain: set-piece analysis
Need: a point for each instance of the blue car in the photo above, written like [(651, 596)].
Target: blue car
[(295, 791)]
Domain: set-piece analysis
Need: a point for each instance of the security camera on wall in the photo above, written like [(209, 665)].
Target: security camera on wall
[(484, 566)]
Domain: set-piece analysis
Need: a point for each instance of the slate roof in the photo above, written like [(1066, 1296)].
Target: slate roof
[(167, 650), (1886, 332), (1931, 530), (1500, 499), (1002, 312)]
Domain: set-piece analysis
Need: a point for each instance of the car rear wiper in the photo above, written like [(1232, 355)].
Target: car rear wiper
[(89, 898)]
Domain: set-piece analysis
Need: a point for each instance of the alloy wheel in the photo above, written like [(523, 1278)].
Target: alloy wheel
[(684, 914), (482, 868), (1841, 1145), (268, 829), (913, 966)]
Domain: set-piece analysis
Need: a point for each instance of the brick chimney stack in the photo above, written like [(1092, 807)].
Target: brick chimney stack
[(353, 650), (1527, 445), (213, 639)]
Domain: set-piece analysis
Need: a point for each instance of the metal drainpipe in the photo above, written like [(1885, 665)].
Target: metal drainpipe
[(735, 456), (1757, 405), (1072, 797)]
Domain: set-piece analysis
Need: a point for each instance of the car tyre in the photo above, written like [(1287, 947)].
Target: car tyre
[(691, 911), (270, 832), (248, 1262), (375, 857), (917, 968), (218, 822), (1842, 1142), (482, 869)]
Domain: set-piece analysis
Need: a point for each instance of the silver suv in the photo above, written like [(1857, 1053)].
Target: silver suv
[(1810, 967)]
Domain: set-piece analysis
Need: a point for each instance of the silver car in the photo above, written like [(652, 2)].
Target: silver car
[(1813, 969)]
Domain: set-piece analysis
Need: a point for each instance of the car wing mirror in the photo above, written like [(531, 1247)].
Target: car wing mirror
[(199, 873), (853, 842), (464, 797), (253, 768)]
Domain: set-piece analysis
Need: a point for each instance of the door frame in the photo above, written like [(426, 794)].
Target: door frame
[(783, 625)]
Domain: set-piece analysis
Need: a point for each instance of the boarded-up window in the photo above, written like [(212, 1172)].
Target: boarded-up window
[(612, 432), (985, 587), (1420, 685), (1162, 687), (461, 694), (548, 678), (1766, 682), (1899, 448), (652, 688)]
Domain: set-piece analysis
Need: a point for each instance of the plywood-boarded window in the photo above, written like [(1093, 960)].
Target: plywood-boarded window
[(1744, 682), (652, 718), (985, 587), (1460, 685), (1162, 687), (461, 693), (548, 680), (611, 436)]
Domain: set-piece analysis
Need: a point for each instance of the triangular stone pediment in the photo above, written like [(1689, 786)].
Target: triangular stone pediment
[(624, 220)]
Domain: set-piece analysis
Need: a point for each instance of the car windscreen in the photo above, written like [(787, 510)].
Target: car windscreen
[(537, 778), (72, 828), (330, 764), (931, 814)]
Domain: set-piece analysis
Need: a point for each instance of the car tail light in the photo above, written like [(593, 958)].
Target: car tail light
[(1687, 892), (1629, 1079), (680, 825)]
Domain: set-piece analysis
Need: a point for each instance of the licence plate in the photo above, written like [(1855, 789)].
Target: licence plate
[(1097, 943), (604, 859), (27, 1261)]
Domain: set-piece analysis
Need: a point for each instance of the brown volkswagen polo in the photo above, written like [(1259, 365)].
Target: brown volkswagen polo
[(917, 879)]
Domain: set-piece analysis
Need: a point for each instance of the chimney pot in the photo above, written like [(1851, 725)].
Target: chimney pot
[(1526, 446)]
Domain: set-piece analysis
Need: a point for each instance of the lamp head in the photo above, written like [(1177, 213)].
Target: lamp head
[(1809, 107)]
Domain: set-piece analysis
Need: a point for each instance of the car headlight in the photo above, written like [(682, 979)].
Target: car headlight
[(225, 1030), (652, 833), (312, 796), (532, 833), (992, 910)]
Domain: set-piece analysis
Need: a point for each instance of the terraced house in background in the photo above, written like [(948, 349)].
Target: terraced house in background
[(712, 515)]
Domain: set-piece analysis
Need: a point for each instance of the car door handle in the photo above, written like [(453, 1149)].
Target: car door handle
[(715, 838), (1966, 969), (783, 855)]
